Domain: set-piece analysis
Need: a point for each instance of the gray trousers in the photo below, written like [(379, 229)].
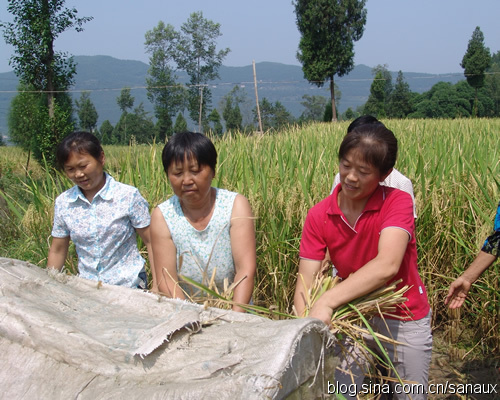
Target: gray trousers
[(411, 360)]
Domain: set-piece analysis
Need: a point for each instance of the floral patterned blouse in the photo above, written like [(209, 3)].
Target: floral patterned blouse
[(103, 231), (205, 250), (492, 242)]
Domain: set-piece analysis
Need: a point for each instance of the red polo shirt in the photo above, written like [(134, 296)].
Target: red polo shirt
[(352, 247)]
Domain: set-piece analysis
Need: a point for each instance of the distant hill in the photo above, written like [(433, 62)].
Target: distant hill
[(105, 77)]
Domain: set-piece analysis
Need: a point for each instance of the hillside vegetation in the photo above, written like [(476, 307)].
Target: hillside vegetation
[(105, 76)]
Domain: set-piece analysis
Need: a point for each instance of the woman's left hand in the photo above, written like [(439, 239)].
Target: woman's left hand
[(321, 311)]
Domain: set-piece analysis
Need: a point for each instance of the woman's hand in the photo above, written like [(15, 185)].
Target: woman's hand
[(460, 287), (458, 292), (322, 311)]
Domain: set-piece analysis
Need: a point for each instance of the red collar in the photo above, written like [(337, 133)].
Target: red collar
[(374, 203)]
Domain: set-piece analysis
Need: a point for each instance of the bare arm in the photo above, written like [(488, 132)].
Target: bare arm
[(308, 269), (58, 252), (374, 274), (242, 233), (165, 279), (460, 287), (145, 235)]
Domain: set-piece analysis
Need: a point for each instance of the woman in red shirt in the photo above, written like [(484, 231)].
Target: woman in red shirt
[(369, 231)]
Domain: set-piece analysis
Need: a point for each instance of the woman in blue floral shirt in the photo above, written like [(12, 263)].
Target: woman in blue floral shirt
[(100, 215)]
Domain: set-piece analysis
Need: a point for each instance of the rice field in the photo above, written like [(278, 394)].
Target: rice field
[(454, 166)]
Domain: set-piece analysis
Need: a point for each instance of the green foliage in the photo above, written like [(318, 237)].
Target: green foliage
[(31, 127), (134, 127), (328, 113), (165, 94), (87, 114), (231, 105), (314, 108), (197, 55), (349, 115), (400, 103), (328, 31), (50, 132), (106, 132), (380, 92), (232, 115), (36, 25), (273, 116), (376, 103), (492, 83), (476, 60), (445, 100), (24, 117), (214, 118), (125, 101), (180, 124), (387, 76)]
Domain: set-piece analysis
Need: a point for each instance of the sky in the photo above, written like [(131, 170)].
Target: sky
[(427, 36)]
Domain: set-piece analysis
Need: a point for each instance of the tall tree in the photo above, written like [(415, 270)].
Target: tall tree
[(134, 127), (376, 103), (24, 116), (163, 91), (400, 103), (87, 114), (273, 116), (125, 101), (329, 29), (214, 117), (386, 75), (314, 107), (232, 115), (106, 132), (492, 82), (180, 123), (475, 62), (197, 55), (231, 105), (36, 25)]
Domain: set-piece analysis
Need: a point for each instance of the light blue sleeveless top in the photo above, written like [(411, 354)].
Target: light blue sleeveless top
[(204, 250)]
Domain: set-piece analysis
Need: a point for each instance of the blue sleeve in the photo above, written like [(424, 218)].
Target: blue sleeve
[(139, 213), (492, 243)]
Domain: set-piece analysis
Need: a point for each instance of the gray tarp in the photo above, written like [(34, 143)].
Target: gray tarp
[(64, 337)]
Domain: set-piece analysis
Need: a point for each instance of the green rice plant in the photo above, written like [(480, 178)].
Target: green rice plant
[(454, 166)]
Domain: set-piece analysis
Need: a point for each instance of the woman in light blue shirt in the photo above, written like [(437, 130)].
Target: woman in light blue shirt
[(100, 215), (201, 229)]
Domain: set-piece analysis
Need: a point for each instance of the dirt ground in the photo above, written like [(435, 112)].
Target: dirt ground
[(449, 365)]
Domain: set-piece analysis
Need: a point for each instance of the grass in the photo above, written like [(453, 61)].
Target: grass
[(453, 164)]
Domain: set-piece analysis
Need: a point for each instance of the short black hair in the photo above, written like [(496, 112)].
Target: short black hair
[(191, 145), (362, 120), (80, 142), (377, 145)]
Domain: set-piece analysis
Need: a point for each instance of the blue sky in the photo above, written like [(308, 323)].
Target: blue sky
[(413, 36)]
